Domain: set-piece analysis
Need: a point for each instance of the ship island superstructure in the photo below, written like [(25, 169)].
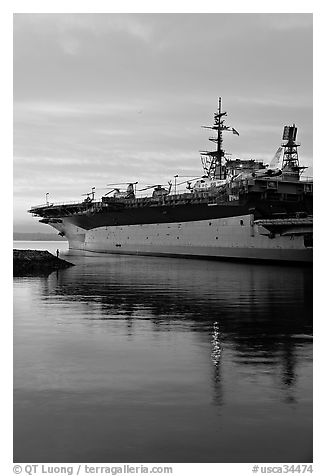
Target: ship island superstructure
[(239, 209)]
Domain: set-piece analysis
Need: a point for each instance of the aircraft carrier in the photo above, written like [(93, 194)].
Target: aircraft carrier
[(238, 209)]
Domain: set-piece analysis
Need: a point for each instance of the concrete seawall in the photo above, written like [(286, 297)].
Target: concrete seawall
[(36, 262)]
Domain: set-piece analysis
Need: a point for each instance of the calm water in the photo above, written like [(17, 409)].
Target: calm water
[(144, 359)]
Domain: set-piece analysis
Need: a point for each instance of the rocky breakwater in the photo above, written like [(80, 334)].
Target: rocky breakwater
[(27, 262)]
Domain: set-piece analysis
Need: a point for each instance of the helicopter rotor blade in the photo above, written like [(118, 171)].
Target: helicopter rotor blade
[(147, 188), (120, 183), (191, 180), (108, 193)]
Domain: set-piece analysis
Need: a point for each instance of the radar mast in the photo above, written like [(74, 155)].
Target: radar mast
[(290, 162), (290, 156), (212, 160)]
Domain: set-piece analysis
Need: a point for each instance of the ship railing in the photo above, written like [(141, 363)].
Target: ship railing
[(58, 204), (284, 178), (43, 205), (280, 178), (139, 194)]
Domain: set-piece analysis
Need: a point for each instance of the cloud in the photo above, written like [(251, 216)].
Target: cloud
[(70, 46), (290, 22)]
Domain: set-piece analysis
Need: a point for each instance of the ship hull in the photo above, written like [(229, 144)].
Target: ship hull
[(233, 238)]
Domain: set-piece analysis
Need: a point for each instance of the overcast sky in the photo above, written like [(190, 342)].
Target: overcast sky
[(100, 98)]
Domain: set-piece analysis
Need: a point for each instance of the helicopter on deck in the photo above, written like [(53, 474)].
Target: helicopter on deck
[(158, 190)]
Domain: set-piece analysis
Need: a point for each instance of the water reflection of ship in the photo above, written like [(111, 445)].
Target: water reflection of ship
[(259, 313)]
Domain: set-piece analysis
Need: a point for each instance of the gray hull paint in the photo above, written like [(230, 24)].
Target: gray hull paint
[(240, 254), (234, 238)]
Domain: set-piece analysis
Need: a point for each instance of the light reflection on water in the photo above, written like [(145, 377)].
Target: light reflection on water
[(124, 358)]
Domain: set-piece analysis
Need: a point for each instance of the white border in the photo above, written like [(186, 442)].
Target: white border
[(94, 6)]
